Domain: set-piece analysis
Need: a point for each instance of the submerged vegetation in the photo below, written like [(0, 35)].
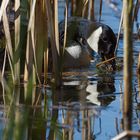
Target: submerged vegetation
[(28, 31)]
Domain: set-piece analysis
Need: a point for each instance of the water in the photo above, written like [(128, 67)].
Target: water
[(88, 106), (94, 116), (92, 102)]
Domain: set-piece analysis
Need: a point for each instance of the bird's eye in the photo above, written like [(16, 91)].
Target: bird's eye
[(105, 39), (84, 42)]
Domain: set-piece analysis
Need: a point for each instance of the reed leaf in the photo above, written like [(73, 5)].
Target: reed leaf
[(8, 43), (11, 65), (7, 34), (119, 31), (56, 25), (32, 15), (34, 52), (46, 63), (29, 73), (24, 18), (40, 34), (3, 7), (29, 59), (4, 63), (55, 53), (46, 54), (33, 41), (4, 83), (65, 26), (17, 45), (84, 11)]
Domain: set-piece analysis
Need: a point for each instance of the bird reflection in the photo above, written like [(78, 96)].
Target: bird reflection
[(100, 92)]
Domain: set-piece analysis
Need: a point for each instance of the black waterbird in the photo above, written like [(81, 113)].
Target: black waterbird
[(83, 37)]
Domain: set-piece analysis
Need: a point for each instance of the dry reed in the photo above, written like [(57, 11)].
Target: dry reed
[(128, 53)]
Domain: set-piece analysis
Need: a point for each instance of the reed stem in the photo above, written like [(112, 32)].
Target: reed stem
[(128, 57)]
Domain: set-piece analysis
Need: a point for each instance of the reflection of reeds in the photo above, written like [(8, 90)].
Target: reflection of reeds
[(34, 24), (138, 73), (138, 66)]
